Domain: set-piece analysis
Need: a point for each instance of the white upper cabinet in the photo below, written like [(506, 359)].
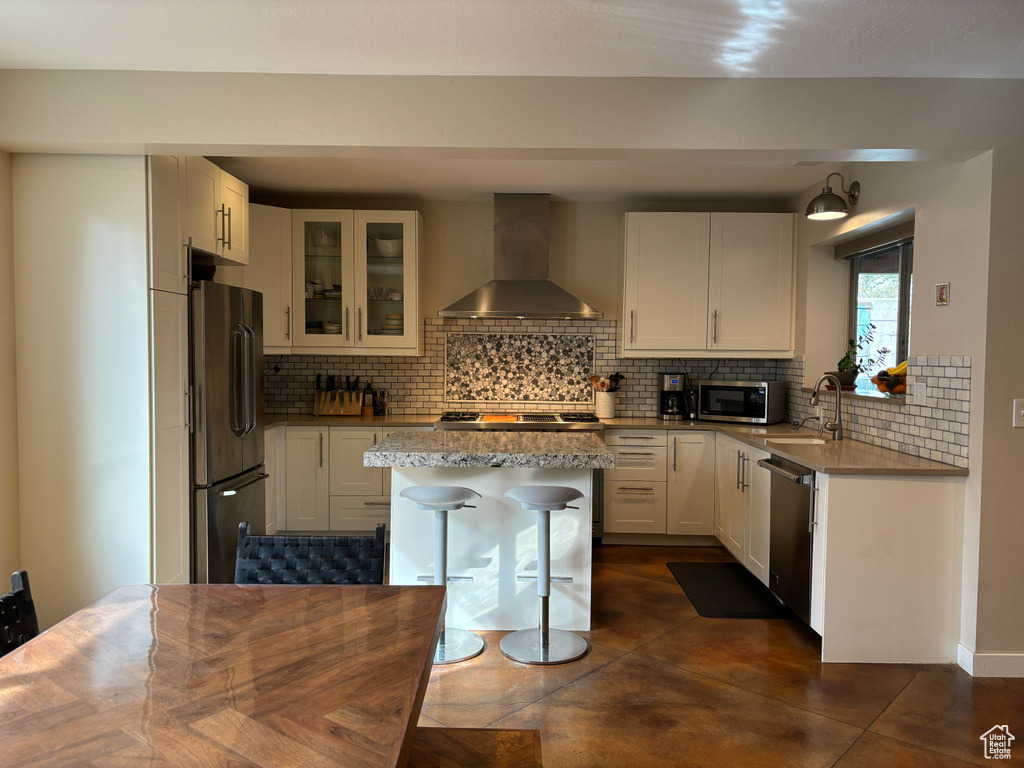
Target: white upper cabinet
[(270, 273), (168, 267), (354, 281), (666, 281), (750, 282), (703, 283), (216, 211)]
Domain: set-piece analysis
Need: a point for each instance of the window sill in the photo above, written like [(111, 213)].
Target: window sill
[(868, 393)]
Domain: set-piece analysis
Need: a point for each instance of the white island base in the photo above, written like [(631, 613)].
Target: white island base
[(495, 544)]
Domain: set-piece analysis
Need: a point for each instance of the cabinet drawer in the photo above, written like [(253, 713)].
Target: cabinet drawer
[(648, 437), (641, 462), (634, 507), (359, 513)]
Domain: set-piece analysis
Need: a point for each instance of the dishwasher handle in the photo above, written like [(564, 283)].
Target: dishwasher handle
[(777, 470)]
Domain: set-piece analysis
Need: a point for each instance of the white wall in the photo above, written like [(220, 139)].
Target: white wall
[(83, 402), (9, 533)]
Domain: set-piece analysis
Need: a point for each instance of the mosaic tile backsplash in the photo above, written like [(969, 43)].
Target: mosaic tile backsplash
[(936, 429), (518, 368)]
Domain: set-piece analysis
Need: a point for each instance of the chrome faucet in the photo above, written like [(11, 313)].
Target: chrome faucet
[(836, 425)]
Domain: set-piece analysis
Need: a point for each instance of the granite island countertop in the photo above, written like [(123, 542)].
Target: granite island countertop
[(458, 448)]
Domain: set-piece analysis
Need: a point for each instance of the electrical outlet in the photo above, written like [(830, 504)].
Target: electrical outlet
[(1018, 413), (819, 411), (919, 394)]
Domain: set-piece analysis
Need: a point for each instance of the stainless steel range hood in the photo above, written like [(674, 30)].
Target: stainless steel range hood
[(520, 287)]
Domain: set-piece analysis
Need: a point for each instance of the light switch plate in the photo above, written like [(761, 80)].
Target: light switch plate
[(1018, 413)]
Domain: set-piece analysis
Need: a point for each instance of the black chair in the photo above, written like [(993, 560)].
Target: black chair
[(309, 559), (18, 623)]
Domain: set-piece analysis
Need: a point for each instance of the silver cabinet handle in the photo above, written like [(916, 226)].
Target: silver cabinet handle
[(223, 223), (632, 325), (738, 455), (636, 453), (360, 328), (639, 437), (636, 488), (714, 327), (376, 503), (813, 516), (188, 263), (227, 241), (288, 323), (321, 449), (743, 463), (347, 324), (675, 446), (188, 409)]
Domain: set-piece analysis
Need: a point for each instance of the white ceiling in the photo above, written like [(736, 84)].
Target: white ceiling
[(615, 38), (584, 38)]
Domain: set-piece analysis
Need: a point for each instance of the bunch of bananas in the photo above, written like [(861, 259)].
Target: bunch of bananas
[(892, 380)]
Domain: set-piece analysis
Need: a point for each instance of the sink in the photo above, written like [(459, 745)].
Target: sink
[(796, 440)]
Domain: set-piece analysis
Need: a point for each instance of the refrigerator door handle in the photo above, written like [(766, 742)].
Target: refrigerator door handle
[(248, 372), (236, 397), (255, 479)]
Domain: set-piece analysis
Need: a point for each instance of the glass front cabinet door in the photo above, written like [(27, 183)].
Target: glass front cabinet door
[(355, 281)]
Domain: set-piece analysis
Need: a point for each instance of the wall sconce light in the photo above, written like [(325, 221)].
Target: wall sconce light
[(829, 205)]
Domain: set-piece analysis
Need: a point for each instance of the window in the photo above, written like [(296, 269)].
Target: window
[(880, 289)]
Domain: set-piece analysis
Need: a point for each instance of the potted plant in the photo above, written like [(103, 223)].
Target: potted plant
[(852, 364)]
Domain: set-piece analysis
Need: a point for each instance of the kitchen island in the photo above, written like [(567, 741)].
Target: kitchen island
[(495, 543)]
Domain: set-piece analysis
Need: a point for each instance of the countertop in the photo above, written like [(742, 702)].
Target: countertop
[(834, 457), (459, 448), (388, 422)]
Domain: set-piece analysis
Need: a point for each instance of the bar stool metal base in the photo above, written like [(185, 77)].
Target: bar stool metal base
[(457, 645), (525, 646)]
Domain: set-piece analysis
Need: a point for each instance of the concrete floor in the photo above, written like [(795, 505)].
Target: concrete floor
[(662, 686)]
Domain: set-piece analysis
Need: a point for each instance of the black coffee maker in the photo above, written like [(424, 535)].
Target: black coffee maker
[(677, 401)]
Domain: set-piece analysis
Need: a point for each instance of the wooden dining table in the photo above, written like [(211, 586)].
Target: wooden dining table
[(218, 675)]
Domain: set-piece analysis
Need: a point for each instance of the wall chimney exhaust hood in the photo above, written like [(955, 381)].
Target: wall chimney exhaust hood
[(520, 287)]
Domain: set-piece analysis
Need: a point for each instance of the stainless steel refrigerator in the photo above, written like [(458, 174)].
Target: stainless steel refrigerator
[(228, 478)]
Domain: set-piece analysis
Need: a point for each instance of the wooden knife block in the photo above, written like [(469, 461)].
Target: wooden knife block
[(340, 403)]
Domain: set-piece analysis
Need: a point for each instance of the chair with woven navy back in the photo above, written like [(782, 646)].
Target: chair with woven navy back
[(18, 622), (309, 559)]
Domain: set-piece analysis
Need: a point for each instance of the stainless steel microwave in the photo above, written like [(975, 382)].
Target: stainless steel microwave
[(742, 402)]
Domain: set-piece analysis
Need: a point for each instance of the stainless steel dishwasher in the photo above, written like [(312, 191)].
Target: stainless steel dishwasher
[(790, 538)]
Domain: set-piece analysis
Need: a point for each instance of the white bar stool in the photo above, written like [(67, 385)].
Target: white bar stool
[(454, 644), (544, 645)]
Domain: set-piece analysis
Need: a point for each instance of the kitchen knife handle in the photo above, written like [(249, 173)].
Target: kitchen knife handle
[(288, 323)]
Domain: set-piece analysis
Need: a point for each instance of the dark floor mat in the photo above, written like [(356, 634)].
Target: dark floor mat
[(727, 591)]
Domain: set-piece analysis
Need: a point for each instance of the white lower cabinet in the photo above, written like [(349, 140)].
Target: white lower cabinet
[(742, 522), (327, 488), (663, 482), (634, 492), (690, 497), (307, 472)]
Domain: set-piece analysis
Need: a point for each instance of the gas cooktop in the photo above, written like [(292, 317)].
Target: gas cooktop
[(517, 421)]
